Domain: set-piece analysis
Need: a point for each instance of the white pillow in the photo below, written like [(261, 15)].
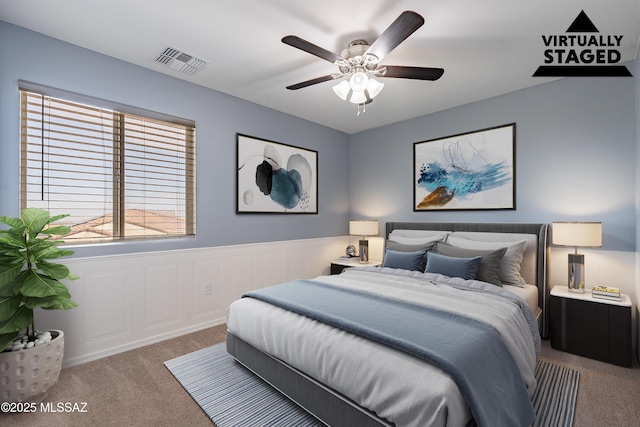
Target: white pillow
[(415, 240), (435, 234), (509, 269), (417, 237)]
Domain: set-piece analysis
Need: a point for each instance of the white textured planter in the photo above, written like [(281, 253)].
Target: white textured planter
[(26, 375)]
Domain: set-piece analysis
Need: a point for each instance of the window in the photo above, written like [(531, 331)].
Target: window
[(119, 175)]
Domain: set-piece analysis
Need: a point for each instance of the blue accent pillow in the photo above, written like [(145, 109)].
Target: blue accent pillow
[(404, 260), (466, 268), (400, 247)]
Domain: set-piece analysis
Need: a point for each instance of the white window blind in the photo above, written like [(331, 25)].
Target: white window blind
[(119, 175)]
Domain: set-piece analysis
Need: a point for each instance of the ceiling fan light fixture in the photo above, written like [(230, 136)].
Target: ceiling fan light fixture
[(359, 62), (342, 89), (374, 87)]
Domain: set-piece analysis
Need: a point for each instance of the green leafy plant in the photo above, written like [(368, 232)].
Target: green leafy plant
[(27, 278)]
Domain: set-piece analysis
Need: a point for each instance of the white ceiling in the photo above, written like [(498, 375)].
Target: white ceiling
[(487, 47)]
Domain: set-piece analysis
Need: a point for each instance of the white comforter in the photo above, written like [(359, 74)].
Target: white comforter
[(398, 387)]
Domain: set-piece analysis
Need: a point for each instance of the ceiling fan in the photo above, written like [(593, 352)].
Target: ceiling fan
[(360, 62)]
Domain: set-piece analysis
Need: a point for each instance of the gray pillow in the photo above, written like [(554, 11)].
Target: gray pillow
[(404, 260), (465, 268), (489, 266), (509, 269), (401, 247)]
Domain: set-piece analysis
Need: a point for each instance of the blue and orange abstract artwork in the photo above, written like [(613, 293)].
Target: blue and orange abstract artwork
[(466, 171), (275, 177)]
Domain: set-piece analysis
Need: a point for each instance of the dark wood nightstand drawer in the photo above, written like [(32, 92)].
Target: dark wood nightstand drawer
[(621, 318), (577, 310), (337, 268)]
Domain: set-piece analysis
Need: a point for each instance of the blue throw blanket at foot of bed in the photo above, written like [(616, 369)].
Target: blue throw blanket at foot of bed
[(471, 352)]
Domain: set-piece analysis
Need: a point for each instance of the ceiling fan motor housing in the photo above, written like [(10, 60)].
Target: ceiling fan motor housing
[(356, 59)]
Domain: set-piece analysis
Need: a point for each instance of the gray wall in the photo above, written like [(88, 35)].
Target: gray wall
[(30, 56), (575, 157)]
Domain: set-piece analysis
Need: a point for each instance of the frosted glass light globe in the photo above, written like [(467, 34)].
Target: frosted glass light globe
[(359, 81)]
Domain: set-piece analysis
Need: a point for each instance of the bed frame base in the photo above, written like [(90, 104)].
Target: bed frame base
[(325, 404)]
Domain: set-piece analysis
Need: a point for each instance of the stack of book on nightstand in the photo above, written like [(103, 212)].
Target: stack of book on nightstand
[(606, 292)]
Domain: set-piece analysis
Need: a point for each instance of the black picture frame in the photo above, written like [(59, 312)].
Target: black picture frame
[(275, 178), (466, 171)]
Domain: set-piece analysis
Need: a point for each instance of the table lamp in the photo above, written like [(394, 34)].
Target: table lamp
[(363, 228), (577, 234)]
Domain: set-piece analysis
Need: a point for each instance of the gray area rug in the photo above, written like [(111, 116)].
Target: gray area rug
[(232, 396), (555, 397)]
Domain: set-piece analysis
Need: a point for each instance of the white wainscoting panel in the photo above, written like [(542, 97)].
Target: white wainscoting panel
[(205, 272), (128, 301), (108, 300), (278, 263), (246, 276), (163, 294)]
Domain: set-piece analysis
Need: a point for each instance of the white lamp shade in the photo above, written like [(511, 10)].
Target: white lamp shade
[(342, 89), (363, 228), (374, 87), (577, 234)]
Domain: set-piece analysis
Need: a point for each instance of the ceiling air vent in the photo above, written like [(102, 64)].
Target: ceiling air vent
[(180, 61)]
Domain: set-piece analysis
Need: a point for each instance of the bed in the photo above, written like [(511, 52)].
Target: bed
[(346, 377)]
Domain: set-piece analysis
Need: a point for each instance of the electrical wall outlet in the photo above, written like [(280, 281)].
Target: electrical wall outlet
[(207, 288)]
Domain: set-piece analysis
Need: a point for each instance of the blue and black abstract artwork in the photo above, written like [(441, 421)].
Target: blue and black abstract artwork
[(283, 180)]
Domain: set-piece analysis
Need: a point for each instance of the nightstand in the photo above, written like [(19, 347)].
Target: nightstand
[(591, 327), (340, 264)]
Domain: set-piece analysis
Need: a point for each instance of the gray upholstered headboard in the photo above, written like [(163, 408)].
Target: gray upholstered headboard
[(541, 254)]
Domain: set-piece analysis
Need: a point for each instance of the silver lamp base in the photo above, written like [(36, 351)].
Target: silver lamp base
[(364, 251), (576, 273)]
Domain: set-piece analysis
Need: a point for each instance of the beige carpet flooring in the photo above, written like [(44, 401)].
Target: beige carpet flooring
[(136, 389)]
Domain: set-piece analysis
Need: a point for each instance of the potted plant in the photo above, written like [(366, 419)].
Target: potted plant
[(28, 279)]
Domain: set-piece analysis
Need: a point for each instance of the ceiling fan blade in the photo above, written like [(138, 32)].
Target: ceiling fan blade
[(311, 82), (405, 25), (418, 73), (311, 48)]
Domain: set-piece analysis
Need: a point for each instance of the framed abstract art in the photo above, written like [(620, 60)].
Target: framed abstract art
[(468, 171), (275, 178)]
